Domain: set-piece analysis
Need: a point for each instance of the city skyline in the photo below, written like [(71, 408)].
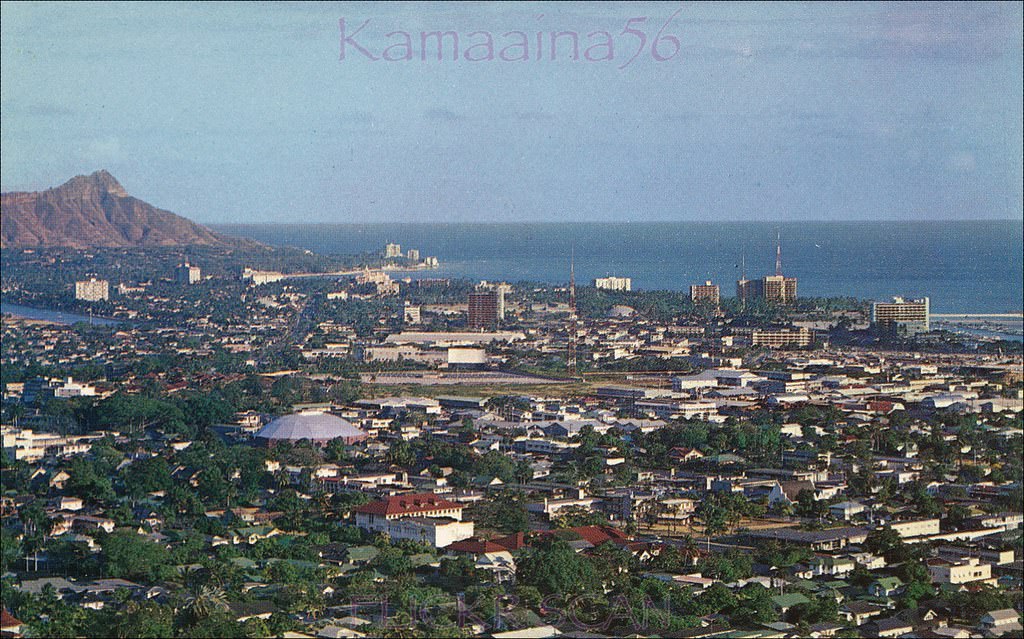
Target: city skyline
[(766, 113)]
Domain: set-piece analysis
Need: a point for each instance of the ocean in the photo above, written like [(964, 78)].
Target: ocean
[(964, 267)]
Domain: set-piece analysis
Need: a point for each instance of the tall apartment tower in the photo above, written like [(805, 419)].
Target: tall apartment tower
[(776, 288), (570, 356), (483, 309), (706, 293), (779, 288), (393, 250), (92, 290), (772, 288), (186, 273), (502, 290)]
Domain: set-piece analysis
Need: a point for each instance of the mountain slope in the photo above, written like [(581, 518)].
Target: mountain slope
[(92, 211)]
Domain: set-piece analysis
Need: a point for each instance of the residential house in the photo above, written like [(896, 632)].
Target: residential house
[(1001, 623), (885, 587), (252, 534), (846, 510), (787, 492), (10, 626), (832, 566), (681, 455), (782, 603), (888, 627), (859, 612)]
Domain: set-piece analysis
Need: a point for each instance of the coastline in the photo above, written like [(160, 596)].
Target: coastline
[(865, 259), (51, 316)]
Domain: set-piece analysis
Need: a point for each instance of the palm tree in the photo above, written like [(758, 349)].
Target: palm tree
[(221, 573), (315, 604), (206, 600)]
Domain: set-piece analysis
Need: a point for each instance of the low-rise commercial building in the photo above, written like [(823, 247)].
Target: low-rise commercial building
[(614, 283)]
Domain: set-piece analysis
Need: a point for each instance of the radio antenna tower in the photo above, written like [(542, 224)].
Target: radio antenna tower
[(570, 359), (743, 278), (778, 254)]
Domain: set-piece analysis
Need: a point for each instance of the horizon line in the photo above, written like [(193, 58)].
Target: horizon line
[(612, 222)]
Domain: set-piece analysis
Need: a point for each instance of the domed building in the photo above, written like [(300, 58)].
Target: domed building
[(316, 426)]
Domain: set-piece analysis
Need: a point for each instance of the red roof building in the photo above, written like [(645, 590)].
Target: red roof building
[(515, 541), (597, 535), (422, 517), (411, 505), (683, 454), (476, 547), (9, 625)]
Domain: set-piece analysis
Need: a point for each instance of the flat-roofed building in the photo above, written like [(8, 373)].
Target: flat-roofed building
[(92, 290), (963, 571), (777, 288), (901, 316), (258, 278), (749, 289), (781, 337), (916, 527), (186, 273), (41, 389), (771, 288), (501, 289), (483, 309), (614, 283), (706, 293), (411, 313)]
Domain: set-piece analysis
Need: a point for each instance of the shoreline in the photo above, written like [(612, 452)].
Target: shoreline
[(53, 316)]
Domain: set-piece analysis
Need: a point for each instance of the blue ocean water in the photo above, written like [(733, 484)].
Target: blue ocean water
[(964, 267)]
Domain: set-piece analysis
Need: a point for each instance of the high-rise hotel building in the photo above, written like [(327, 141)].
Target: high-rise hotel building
[(901, 316), (706, 293), (483, 309), (772, 288), (776, 288)]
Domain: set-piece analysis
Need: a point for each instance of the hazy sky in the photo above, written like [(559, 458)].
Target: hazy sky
[(246, 113)]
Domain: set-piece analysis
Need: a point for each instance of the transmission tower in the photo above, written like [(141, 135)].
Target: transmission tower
[(570, 359)]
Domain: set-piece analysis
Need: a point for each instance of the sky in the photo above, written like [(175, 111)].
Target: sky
[(247, 113)]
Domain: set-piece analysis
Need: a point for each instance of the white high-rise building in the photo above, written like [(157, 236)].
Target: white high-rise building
[(187, 273), (92, 290), (901, 316)]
